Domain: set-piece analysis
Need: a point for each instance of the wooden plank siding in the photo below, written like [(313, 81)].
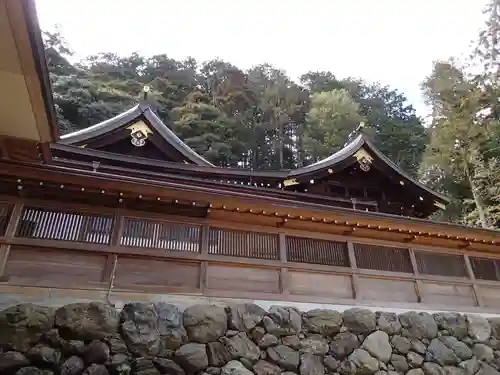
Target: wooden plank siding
[(119, 250)]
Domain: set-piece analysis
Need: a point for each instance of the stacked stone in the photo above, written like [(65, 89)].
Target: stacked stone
[(244, 339)]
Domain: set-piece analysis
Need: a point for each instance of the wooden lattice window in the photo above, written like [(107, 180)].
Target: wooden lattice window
[(485, 269), (160, 235), (429, 263), (5, 212), (52, 224), (310, 250), (382, 258), (243, 244)]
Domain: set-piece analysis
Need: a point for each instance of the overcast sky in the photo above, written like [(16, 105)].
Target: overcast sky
[(390, 41)]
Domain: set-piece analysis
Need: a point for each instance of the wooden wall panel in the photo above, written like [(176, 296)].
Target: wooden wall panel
[(46, 267), (373, 289), (19, 149), (153, 272), (242, 278), (490, 296), (320, 284), (447, 294)]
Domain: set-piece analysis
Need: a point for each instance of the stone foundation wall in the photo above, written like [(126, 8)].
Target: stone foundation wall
[(152, 339)]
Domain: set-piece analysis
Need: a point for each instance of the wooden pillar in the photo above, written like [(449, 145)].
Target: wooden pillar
[(108, 273), (475, 287), (354, 268), (204, 244), (10, 231), (418, 283), (284, 268)]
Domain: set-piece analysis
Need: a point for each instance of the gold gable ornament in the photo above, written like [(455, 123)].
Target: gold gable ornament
[(139, 132), (364, 159), (290, 182)]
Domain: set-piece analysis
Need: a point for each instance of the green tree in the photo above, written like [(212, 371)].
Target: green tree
[(459, 134), (332, 117), (207, 130)]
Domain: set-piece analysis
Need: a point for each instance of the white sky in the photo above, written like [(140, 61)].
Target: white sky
[(390, 41)]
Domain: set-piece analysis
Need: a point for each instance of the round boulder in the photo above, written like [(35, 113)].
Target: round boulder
[(455, 324), (12, 361), (244, 317), (21, 326), (377, 344), (87, 321), (418, 325), (139, 329), (360, 320), (235, 368), (205, 323), (325, 322), (478, 328), (283, 321), (170, 326), (192, 357)]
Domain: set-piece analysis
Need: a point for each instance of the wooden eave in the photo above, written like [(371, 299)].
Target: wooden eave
[(347, 156), (120, 122), (336, 162), (221, 183), (260, 179), (319, 216), (27, 113), (70, 152)]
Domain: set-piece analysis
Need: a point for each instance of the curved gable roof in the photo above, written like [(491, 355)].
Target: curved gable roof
[(128, 117), (349, 151)]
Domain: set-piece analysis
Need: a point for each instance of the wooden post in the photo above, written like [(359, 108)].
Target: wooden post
[(10, 231), (15, 218), (418, 283), (284, 268), (354, 268), (204, 244), (475, 287), (108, 273), (116, 232), (109, 268)]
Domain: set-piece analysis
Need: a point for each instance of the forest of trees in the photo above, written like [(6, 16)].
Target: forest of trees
[(260, 118)]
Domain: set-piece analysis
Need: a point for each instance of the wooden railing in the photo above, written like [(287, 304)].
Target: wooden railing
[(44, 245)]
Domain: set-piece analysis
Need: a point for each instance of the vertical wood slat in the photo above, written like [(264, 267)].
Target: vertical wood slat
[(418, 283), (382, 258), (244, 244), (354, 267), (430, 263), (316, 251), (485, 268), (65, 225), (157, 234), (471, 275)]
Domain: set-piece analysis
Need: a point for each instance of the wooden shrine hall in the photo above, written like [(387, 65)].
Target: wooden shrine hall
[(127, 210)]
